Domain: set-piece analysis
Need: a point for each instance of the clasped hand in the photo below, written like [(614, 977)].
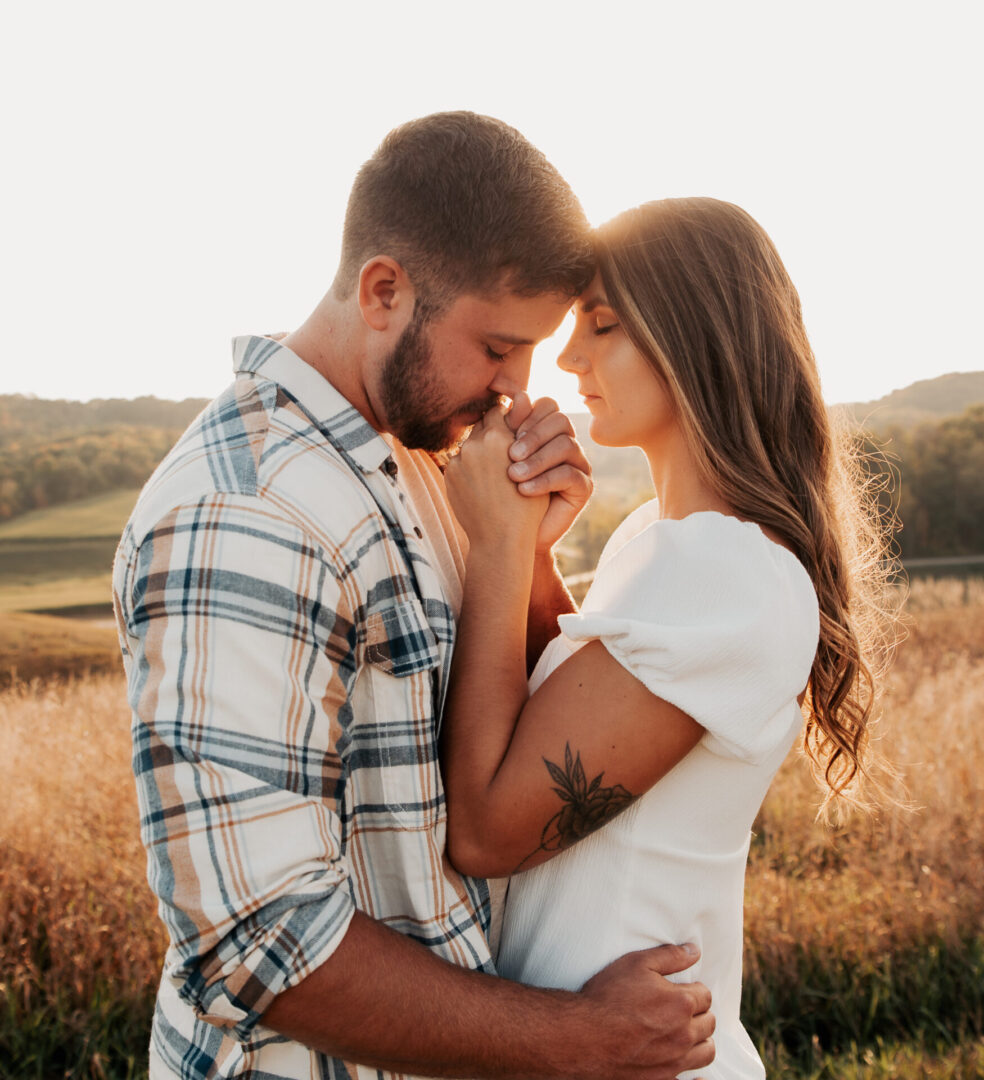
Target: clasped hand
[(520, 472)]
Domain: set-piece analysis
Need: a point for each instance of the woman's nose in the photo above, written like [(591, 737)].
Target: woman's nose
[(570, 360)]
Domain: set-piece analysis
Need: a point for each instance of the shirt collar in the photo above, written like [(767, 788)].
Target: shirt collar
[(257, 355)]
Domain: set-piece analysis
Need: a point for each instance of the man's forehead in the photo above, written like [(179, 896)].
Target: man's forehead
[(593, 296), (511, 318)]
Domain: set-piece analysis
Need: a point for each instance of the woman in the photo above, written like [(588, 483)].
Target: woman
[(665, 707)]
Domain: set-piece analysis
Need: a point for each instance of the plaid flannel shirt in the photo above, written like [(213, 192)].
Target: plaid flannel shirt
[(287, 646)]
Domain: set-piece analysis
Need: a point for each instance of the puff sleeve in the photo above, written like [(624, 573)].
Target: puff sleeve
[(712, 617)]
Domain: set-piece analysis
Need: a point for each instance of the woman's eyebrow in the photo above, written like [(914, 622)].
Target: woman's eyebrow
[(594, 302)]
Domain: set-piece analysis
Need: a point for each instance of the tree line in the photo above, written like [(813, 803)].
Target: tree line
[(29, 421), (937, 488), (929, 477), (53, 452), (73, 467)]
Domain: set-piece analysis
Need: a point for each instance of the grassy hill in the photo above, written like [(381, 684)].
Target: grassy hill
[(928, 399), (99, 516), (60, 559)]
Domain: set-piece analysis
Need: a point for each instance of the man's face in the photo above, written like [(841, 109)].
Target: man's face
[(445, 373)]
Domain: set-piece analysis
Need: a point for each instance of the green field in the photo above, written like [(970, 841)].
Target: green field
[(102, 515), (60, 559)]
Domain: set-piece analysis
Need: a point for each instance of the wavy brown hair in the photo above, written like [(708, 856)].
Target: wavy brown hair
[(702, 293)]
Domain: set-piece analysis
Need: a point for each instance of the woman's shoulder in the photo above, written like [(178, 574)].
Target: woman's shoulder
[(707, 569), (712, 616), (634, 523), (708, 544)]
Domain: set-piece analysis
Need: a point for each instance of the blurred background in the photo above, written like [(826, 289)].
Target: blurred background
[(177, 175)]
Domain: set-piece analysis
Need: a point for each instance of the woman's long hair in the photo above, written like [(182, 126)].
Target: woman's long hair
[(703, 295)]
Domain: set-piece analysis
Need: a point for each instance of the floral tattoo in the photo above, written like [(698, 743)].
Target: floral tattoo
[(586, 806)]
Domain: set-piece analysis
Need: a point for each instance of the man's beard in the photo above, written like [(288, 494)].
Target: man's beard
[(412, 392)]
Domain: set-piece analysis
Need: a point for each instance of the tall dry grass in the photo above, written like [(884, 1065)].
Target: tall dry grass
[(858, 938), (80, 944), (876, 927)]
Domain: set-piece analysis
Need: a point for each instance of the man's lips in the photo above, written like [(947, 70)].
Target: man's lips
[(473, 411)]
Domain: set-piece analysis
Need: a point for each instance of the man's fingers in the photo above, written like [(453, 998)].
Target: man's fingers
[(669, 959), (704, 1025), (700, 1055), (493, 419), (521, 409), (702, 1001)]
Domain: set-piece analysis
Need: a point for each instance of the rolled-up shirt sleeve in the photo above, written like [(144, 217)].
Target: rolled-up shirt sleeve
[(239, 638)]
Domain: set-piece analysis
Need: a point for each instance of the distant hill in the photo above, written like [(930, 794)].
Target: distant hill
[(928, 399), (55, 452), (25, 419)]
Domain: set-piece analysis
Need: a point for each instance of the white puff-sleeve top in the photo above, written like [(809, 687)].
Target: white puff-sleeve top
[(717, 619)]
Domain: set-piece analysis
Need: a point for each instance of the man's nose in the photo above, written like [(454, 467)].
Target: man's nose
[(513, 376)]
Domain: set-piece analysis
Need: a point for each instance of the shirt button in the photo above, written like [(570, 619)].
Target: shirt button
[(390, 467), (416, 529)]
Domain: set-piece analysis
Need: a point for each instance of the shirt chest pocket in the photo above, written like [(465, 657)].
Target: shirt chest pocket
[(399, 641), (398, 732)]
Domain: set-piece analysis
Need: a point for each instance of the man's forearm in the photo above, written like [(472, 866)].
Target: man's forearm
[(548, 599), (385, 1001)]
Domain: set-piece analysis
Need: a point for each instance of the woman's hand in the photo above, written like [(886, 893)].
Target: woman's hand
[(484, 499), (546, 457)]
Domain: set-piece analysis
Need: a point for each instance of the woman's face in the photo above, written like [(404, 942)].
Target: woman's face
[(628, 401)]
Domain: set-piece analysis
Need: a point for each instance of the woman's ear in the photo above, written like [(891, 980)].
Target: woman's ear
[(386, 298)]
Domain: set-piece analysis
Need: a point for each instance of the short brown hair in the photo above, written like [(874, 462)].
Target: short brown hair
[(465, 204)]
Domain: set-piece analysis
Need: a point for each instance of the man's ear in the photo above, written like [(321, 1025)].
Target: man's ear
[(386, 297)]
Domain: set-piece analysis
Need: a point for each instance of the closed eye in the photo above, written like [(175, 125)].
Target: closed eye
[(493, 355), (599, 330)]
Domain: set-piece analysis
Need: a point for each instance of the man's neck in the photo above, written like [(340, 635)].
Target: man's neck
[(329, 341)]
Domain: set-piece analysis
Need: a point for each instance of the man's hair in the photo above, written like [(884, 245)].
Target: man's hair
[(465, 204)]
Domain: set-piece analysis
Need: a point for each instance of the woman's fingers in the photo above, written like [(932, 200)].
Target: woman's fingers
[(543, 421), (565, 480), (562, 449)]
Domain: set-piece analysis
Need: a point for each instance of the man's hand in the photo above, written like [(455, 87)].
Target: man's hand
[(547, 458), (659, 1028), (390, 1003)]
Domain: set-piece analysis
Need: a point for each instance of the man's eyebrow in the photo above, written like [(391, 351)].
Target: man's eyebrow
[(509, 339)]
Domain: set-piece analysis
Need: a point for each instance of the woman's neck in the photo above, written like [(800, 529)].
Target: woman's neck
[(678, 485)]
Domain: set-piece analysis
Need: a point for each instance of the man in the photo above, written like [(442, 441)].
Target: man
[(286, 591)]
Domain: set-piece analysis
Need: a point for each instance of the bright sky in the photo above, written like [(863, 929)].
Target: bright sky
[(177, 173)]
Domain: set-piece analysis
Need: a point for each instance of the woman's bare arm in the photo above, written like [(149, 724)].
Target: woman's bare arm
[(527, 777)]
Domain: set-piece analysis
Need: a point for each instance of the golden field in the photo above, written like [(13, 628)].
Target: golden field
[(865, 947)]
